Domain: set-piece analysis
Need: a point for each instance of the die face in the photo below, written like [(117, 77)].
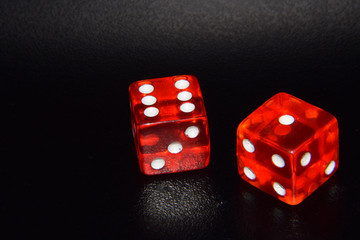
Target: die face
[(166, 99), (169, 123), (176, 146), (316, 161), (287, 148), (287, 121), (323, 148), (265, 165)]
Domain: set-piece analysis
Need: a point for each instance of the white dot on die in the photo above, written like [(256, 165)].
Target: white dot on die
[(158, 163), (148, 100), (249, 173), (330, 167), (146, 88), (248, 145), (305, 159), (151, 111), (182, 84), (175, 147), (278, 160), (184, 96), (279, 189), (286, 119), (192, 132), (187, 107)]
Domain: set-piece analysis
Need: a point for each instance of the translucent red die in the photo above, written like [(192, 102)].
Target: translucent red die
[(288, 148), (170, 125)]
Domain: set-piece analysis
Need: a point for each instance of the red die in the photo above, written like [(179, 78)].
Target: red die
[(170, 126), (288, 148)]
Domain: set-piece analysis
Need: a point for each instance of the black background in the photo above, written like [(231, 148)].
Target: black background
[(68, 165)]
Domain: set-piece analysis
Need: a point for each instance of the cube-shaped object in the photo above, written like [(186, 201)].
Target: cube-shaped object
[(170, 125), (288, 148)]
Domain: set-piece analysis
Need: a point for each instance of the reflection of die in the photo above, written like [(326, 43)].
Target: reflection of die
[(170, 126), (287, 148)]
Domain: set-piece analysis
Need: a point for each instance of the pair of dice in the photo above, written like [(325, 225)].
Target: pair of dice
[(287, 147)]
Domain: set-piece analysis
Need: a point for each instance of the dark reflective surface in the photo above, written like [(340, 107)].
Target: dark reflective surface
[(178, 207)]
